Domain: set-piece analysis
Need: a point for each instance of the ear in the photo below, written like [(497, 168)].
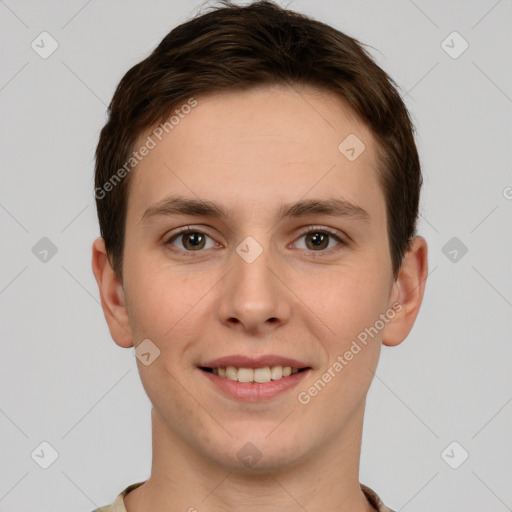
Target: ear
[(407, 293), (112, 295)]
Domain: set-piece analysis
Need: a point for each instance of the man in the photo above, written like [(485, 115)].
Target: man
[(257, 187)]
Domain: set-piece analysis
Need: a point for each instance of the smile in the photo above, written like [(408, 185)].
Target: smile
[(255, 375), (254, 384)]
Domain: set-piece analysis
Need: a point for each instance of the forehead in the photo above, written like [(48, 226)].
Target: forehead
[(259, 148)]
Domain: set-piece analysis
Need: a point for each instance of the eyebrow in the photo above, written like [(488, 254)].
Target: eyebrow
[(179, 205)]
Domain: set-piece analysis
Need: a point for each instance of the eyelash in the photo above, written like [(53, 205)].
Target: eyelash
[(309, 230)]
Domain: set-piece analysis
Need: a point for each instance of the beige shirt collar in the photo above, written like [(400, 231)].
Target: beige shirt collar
[(118, 504)]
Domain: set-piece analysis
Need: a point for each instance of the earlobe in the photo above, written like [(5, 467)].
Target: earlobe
[(407, 293), (112, 296)]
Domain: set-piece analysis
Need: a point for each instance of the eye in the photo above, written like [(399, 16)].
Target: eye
[(194, 240), (318, 238), (191, 240)]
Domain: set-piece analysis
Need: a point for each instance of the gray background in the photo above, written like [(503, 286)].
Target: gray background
[(64, 381)]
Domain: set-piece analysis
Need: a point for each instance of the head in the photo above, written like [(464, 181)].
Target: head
[(249, 110)]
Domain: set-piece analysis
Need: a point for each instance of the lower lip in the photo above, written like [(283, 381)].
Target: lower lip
[(254, 391)]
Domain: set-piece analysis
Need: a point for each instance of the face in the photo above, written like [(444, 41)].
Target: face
[(258, 279)]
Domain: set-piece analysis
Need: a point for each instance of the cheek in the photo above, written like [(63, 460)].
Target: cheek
[(351, 303), (162, 298), (345, 300), (351, 308)]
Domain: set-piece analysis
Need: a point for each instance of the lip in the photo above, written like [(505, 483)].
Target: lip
[(254, 391), (240, 361)]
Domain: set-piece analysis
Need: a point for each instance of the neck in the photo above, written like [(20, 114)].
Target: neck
[(184, 480)]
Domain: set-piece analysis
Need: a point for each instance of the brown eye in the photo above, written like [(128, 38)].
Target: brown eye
[(320, 240), (193, 240), (190, 240)]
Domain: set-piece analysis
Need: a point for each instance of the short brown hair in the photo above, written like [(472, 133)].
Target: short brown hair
[(238, 47)]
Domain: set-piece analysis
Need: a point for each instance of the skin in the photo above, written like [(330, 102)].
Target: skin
[(253, 151)]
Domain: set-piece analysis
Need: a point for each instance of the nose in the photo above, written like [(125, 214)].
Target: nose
[(254, 297)]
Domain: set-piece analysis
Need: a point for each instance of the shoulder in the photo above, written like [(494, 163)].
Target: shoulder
[(374, 499), (118, 504)]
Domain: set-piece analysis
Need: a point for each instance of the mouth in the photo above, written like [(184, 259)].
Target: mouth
[(254, 378), (259, 375), (260, 384)]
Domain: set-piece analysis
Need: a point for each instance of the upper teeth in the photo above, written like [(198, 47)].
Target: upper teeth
[(261, 375)]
